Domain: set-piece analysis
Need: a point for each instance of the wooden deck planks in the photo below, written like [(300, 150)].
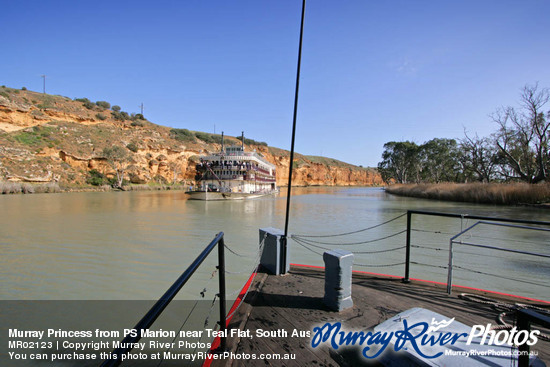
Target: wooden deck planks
[(294, 301)]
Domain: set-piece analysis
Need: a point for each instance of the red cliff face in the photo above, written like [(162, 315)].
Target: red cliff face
[(327, 172), (45, 138)]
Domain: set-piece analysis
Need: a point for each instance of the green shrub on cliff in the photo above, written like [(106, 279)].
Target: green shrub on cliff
[(103, 104), (182, 135), (96, 178), (133, 147), (252, 141), (207, 138)]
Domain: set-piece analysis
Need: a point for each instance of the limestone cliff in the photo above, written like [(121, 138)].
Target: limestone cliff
[(52, 138)]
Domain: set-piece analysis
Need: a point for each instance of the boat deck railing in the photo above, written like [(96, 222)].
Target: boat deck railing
[(386, 235), (486, 220), (155, 311), (455, 240), (526, 317), (387, 240)]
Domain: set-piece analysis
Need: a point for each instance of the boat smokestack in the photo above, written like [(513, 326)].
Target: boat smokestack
[(242, 139), (222, 141)]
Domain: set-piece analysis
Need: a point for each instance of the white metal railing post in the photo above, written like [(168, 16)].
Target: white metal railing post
[(450, 269)]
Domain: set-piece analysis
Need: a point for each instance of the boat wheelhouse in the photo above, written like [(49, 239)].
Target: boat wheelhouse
[(233, 174)]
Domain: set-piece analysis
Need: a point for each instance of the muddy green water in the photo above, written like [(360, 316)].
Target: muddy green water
[(133, 245)]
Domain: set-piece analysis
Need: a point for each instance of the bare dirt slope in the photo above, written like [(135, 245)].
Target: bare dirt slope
[(47, 138)]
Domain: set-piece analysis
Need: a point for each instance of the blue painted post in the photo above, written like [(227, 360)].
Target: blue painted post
[(274, 259), (338, 265)]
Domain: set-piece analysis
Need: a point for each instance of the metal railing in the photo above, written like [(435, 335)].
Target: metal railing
[(162, 303), (525, 317), (410, 213), (453, 241)]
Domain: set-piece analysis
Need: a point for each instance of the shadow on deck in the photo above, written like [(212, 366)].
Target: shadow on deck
[(282, 305)]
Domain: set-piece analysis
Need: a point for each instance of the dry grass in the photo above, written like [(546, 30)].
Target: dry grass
[(28, 188), (492, 193), (7, 187)]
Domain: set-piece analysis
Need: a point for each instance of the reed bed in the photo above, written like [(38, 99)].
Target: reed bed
[(483, 193), (7, 187)]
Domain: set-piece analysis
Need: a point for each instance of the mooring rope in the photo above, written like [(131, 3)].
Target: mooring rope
[(311, 242), (505, 308), (380, 251), (500, 276), (378, 265), (262, 242), (252, 273), (353, 232), (429, 265), (237, 254), (430, 248), (436, 232), (306, 247)]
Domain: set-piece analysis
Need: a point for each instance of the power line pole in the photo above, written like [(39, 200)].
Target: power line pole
[(44, 76), (141, 106)]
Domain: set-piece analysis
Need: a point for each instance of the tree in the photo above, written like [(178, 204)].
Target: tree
[(117, 157), (439, 160), (175, 166), (399, 162), (479, 158), (523, 136)]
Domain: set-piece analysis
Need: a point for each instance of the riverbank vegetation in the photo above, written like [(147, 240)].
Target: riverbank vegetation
[(517, 152), (477, 192), (7, 187), (28, 188)]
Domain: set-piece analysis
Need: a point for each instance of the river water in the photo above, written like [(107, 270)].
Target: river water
[(97, 261), (133, 245)]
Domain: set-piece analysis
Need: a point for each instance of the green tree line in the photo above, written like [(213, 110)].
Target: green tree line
[(517, 151)]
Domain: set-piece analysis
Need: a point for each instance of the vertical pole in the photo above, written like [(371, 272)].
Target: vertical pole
[(523, 324), (284, 242), (408, 250), (450, 270), (44, 90), (221, 274)]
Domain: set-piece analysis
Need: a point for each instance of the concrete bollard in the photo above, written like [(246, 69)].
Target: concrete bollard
[(272, 258), (338, 265)]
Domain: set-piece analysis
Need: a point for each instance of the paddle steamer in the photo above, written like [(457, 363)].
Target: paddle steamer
[(233, 174)]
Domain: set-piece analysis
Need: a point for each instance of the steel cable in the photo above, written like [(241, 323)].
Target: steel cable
[(354, 232)]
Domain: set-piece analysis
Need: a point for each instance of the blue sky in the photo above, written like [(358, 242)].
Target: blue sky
[(372, 71)]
